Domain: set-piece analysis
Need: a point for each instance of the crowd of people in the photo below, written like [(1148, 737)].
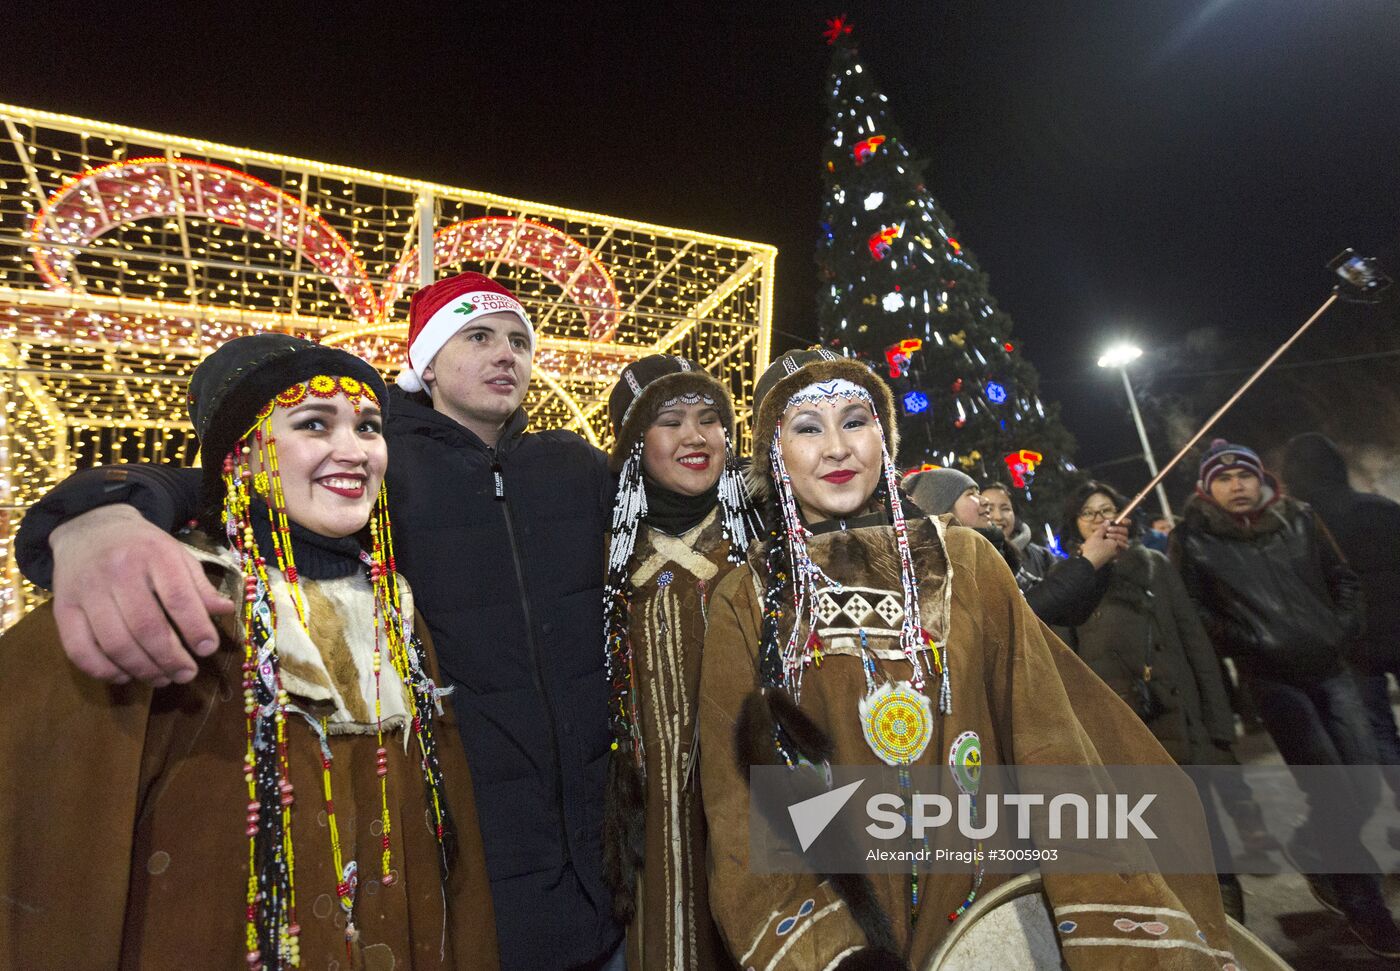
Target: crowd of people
[(516, 729)]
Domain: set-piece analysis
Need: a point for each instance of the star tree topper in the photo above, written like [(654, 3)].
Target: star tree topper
[(836, 28)]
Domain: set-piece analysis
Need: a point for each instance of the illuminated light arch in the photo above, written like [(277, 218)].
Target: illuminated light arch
[(100, 200), (522, 242)]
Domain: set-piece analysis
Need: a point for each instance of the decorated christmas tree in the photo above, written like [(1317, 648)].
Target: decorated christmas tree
[(899, 290)]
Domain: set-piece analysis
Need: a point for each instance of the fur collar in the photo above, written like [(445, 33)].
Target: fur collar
[(328, 665), (1021, 536), (1205, 514)]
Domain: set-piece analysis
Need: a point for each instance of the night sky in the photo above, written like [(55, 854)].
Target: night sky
[(1172, 170)]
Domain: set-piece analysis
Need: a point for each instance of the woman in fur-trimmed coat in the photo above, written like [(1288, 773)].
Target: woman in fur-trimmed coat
[(678, 528), (934, 614)]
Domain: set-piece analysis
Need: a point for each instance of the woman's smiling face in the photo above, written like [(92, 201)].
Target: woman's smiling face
[(331, 460), (683, 448), (833, 450)]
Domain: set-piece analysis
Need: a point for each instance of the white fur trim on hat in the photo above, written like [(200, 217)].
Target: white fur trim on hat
[(449, 319)]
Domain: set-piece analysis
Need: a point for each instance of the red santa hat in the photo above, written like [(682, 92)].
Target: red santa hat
[(440, 309)]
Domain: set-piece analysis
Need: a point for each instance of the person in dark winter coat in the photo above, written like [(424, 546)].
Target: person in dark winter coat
[(1277, 595), (501, 533), (1367, 528), (1145, 641), (1064, 596)]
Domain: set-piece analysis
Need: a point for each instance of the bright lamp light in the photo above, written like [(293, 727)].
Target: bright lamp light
[(1120, 355)]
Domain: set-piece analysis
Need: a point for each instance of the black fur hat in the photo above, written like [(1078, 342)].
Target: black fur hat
[(231, 386)]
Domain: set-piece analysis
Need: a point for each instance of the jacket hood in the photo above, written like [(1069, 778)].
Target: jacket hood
[(413, 414), (1021, 535), (1313, 467), (791, 373)]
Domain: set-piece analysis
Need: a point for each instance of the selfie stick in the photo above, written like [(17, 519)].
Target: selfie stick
[(1362, 282)]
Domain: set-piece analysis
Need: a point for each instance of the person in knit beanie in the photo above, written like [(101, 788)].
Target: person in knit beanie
[(1278, 597), (938, 492), (1233, 477)]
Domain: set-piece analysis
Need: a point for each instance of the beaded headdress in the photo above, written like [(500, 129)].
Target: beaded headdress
[(793, 577), (249, 469), (646, 387)]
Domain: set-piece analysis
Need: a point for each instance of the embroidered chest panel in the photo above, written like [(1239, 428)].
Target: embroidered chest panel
[(848, 610), (843, 612)]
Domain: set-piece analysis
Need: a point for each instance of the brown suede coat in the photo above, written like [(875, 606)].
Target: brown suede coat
[(1027, 696), (673, 578), (123, 811)]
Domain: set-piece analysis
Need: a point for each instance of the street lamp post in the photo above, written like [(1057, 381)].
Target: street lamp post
[(1120, 356)]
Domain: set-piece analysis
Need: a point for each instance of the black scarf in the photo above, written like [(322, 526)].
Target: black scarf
[(674, 513), (317, 557)]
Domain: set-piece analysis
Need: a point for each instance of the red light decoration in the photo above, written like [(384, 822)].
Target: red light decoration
[(522, 242), (957, 247), (1022, 465), (880, 241), (98, 201), (101, 200), (836, 28), (865, 148), (1008, 347), (922, 468), (898, 355)]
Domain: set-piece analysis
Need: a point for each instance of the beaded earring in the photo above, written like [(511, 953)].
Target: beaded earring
[(629, 509), (738, 515)]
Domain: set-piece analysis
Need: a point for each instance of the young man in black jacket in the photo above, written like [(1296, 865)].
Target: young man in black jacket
[(501, 534), (1277, 595)]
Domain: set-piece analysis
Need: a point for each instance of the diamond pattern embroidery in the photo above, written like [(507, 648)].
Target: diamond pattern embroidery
[(891, 611), (857, 608), (827, 607)]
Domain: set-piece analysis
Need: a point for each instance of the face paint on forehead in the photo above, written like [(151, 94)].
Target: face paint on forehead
[(834, 390)]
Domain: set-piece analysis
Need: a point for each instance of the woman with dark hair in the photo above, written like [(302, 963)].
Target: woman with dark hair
[(855, 637), (681, 521), (304, 801), (1035, 561), (1146, 642)]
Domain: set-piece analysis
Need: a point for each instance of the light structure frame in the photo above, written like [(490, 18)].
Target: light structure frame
[(126, 255)]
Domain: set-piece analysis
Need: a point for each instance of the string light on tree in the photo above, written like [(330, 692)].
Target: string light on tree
[(915, 402), (893, 268)]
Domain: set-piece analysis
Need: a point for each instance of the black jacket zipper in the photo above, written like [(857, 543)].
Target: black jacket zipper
[(537, 670)]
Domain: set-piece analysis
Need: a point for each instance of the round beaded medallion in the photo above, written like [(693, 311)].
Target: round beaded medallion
[(897, 721), (965, 759)]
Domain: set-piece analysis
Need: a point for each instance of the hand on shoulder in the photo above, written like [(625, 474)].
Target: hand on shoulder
[(128, 597)]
